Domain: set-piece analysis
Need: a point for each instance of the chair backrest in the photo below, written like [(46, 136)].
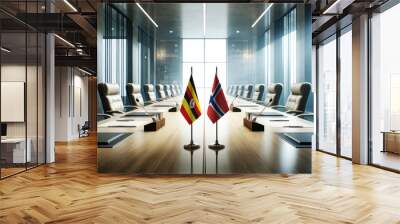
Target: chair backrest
[(229, 91), (167, 90), (134, 94), (232, 91), (160, 91), (172, 88), (297, 100), (274, 94), (259, 92), (110, 97), (236, 90), (248, 91), (149, 93), (241, 90), (177, 89)]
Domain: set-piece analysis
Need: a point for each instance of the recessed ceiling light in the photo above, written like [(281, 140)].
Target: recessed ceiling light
[(171, 31), (147, 15), (262, 14), (70, 5), (237, 31)]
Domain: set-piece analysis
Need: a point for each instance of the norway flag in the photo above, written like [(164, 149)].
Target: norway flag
[(218, 105)]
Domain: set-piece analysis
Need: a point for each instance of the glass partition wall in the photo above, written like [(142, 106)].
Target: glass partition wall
[(385, 89), (22, 77), (334, 75)]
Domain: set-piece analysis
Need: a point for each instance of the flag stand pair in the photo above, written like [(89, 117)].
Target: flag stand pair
[(216, 146)]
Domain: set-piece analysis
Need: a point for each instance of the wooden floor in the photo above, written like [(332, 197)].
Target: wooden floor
[(71, 191)]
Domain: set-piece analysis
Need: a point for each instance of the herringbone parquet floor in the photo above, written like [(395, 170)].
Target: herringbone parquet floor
[(71, 191)]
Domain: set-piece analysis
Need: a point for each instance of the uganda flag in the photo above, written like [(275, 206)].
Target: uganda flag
[(190, 108)]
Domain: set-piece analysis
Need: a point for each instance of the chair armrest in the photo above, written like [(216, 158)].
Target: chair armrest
[(261, 102), (104, 116), (305, 115), (129, 108), (295, 112), (111, 112), (278, 106)]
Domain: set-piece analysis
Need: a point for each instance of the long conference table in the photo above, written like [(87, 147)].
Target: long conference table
[(162, 152)]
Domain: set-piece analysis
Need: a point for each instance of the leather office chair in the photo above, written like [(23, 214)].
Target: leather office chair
[(111, 99), (259, 93), (149, 93), (229, 90), (274, 94), (236, 91), (160, 92), (232, 92), (297, 100), (134, 95), (177, 89), (167, 89), (248, 91), (173, 90), (241, 90)]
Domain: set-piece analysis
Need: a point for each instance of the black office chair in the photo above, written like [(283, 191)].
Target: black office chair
[(297, 100), (236, 90), (149, 93), (160, 92), (241, 91), (83, 131), (111, 99), (135, 96), (259, 93), (248, 91), (229, 90), (274, 94)]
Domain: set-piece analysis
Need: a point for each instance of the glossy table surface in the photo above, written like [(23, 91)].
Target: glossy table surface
[(162, 152)]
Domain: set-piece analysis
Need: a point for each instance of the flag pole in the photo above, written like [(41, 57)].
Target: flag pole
[(191, 134), (191, 146), (216, 146)]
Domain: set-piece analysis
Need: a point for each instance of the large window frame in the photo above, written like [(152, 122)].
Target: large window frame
[(337, 38), (371, 70), (203, 62)]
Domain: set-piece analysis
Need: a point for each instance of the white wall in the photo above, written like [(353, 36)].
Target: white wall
[(71, 102)]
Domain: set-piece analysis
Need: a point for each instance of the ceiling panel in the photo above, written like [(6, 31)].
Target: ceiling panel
[(185, 20)]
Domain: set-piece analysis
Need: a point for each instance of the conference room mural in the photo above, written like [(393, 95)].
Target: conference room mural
[(204, 88)]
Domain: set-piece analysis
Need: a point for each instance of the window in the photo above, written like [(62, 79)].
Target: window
[(346, 94), (267, 53), (289, 51), (385, 87), (327, 96), (204, 56)]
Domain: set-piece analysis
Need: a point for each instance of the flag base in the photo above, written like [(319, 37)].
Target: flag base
[(191, 146), (216, 146)]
